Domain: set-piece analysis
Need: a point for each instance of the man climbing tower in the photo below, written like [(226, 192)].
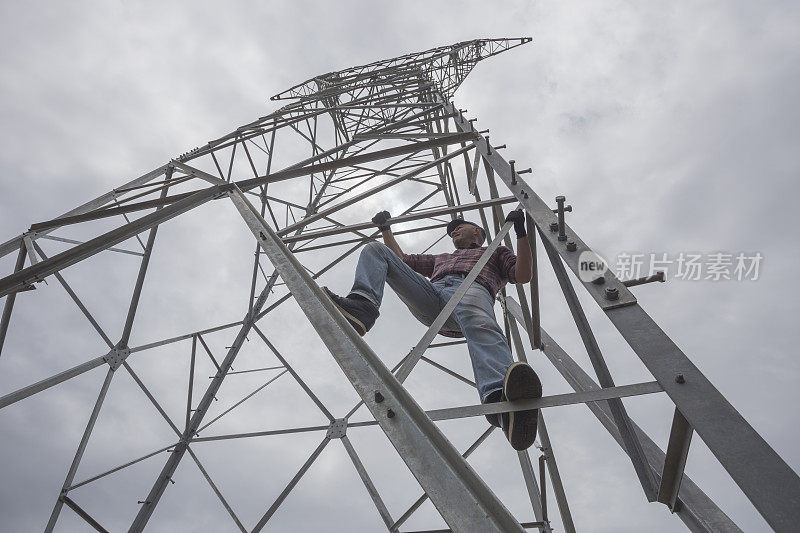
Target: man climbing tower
[(497, 376)]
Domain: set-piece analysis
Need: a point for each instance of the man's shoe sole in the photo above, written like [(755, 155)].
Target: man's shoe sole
[(522, 383), (356, 323)]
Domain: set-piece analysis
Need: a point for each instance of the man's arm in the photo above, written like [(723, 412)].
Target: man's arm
[(386, 232), (523, 271), (391, 243)]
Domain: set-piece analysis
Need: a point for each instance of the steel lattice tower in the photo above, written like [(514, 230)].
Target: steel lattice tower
[(371, 130)]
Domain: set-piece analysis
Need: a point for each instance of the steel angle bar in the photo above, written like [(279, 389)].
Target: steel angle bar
[(366, 239), (632, 444), (462, 498), (534, 492), (39, 386), (73, 241), (264, 433), (416, 505), (448, 371), (9, 303), (83, 514), (120, 467), (524, 525), (77, 301), (571, 398), (190, 388), (698, 512), (183, 337), (217, 491), (79, 453), (151, 398), (680, 436), (240, 402), (427, 213), (282, 496), (555, 477), (295, 375), (368, 484), (137, 290)]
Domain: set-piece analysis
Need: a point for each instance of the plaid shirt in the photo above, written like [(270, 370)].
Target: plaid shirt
[(498, 271)]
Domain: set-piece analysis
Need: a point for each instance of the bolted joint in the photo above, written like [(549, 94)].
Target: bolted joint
[(612, 293), (337, 429), (378, 397), (390, 414), (571, 246), (117, 356)]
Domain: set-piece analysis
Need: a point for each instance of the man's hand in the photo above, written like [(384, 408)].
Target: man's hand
[(380, 220), (518, 218)]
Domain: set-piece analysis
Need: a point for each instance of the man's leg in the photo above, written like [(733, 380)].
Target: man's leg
[(488, 348), (497, 376), (378, 265)]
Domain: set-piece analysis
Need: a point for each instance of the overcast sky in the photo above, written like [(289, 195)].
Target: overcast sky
[(670, 128)]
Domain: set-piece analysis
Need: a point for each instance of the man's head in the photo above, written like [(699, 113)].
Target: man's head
[(465, 234)]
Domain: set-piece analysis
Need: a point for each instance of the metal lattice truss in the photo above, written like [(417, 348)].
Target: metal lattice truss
[(373, 129)]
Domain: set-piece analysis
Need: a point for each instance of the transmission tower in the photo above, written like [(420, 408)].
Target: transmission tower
[(387, 130)]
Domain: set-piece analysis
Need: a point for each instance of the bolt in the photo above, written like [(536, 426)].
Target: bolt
[(680, 379), (389, 414), (513, 173), (599, 280), (562, 234), (554, 226), (378, 397), (571, 246), (612, 293), (488, 146)]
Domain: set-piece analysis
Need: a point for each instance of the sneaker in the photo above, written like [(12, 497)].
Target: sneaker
[(360, 312), (520, 383)]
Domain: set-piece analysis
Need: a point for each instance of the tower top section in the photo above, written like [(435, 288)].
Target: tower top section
[(446, 67)]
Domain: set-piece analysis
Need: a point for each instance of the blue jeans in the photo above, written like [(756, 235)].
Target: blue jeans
[(473, 316)]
